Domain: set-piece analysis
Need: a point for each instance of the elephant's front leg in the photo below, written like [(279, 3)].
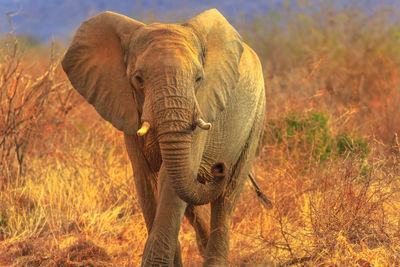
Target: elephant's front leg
[(163, 238), (199, 218)]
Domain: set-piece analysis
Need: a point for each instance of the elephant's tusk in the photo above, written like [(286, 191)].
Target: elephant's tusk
[(144, 129), (203, 125)]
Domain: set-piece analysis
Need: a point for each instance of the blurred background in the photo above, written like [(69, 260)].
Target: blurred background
[(42, 20), (329, 157)]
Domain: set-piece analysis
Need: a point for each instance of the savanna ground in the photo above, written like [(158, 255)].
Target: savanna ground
[(329, 159)]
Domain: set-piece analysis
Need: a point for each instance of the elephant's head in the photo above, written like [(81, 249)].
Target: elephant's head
[(141, 76)]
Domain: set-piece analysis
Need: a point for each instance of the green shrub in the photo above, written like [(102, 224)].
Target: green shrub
[(308, 135), (347, 144)]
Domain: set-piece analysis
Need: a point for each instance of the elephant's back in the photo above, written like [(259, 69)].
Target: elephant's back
[(251, 74)]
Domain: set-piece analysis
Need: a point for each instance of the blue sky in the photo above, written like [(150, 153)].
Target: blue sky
[(60, 18)]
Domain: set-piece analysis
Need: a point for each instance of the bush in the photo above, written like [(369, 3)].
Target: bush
[(308, 134)]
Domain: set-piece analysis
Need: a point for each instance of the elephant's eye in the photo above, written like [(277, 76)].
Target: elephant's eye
[(139, 79), (199, 79)]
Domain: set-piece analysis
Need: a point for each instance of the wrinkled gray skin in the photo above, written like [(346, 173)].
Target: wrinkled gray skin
[(170, 75)]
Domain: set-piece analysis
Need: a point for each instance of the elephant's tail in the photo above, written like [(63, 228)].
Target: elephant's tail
[(265, 200)]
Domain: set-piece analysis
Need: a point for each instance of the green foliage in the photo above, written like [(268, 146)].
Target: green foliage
[(308, 135), (346, 144)]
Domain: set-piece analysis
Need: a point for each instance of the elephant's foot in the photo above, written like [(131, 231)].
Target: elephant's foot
[(157, 253), (178, 256), (210, 262), (217, 253)]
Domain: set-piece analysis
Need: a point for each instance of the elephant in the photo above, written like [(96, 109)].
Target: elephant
[(190, 100)]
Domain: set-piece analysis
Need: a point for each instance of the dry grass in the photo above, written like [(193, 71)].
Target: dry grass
[(329, 160)]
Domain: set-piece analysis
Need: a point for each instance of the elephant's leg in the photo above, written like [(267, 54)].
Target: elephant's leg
[(145, 180), (217, 253), (146, 187), (161, 244), (147, 195), (222, 209), (178, 255), (199, 218)]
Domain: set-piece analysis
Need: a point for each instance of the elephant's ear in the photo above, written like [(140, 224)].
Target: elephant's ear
[(95, 66), (222, 53)]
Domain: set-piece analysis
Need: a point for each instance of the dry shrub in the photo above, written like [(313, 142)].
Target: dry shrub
[(83, 253), (38, 252), (27, 107), (24, 252), (339, 209), (350, 206)]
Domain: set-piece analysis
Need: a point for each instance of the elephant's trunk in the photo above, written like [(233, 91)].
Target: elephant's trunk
[(175, 125)]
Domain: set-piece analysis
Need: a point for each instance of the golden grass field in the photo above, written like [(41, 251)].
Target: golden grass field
[(329, 159)]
